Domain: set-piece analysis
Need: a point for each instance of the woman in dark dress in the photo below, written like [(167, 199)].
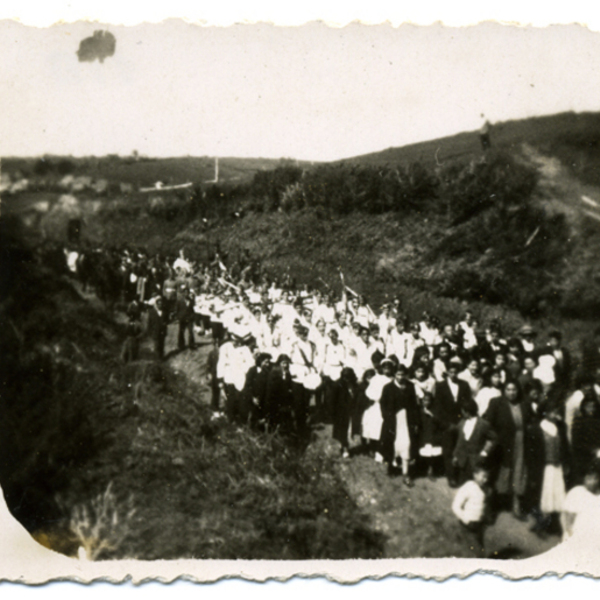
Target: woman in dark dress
[(585, 438), (400, 428), (344, 398), (509, 417)]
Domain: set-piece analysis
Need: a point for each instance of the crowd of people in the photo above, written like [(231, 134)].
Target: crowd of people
[(514, 417)]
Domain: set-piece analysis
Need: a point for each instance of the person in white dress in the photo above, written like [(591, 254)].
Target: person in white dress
[(472, 375), (491, 389), (372, 419)]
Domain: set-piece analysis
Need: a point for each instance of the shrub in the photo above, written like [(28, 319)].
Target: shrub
[(268, 186), (495, 180)]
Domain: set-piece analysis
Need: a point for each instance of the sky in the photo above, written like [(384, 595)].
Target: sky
[(312, 92)]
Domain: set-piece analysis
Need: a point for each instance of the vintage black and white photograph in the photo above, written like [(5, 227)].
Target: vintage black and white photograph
[(300, 293)]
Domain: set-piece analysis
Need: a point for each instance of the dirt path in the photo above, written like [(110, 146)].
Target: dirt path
[(562, 191), (417, 522)]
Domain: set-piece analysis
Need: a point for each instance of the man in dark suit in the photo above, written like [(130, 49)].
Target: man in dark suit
[(255, 392), (157, 327), (185, 317), (279, 399), (492, 346), (448, 397), (475, 442)]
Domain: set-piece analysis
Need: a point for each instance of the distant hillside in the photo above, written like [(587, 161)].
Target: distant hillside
[(571, 137), (146, 171)]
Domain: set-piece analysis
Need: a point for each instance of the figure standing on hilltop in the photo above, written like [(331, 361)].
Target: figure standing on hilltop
[(484, 136)]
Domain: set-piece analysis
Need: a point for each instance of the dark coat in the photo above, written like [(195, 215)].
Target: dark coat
[(345, 399), (256, 388), (157, 324), (279, 399), (487, 350), (590, 358), (499, 416), (467, 452), (445, 407), (430, 430), (585, 443), (393, 400), (184, 311)]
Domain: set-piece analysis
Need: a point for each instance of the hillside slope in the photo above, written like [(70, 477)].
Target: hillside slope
[(574, 138)]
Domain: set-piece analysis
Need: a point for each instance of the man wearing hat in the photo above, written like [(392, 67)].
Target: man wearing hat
[(527, 335)]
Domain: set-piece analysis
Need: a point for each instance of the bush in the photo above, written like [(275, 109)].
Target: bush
[(495, 180), (267, 187)]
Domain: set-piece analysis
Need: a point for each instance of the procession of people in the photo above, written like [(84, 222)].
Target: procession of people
[(425, 398)]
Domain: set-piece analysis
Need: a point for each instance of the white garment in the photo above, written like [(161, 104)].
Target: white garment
[(361, 360), (372, 419), (474, 382), (572, 410), (234, 364), (553, 489), (429, 451), (402, 441), (484, 397), (545, 369), (468, 427), (469, 337), (422, 387), (585, 506), (184, 265), (334, 360), (439, 369), (469, 503), (397, 343), (302, 367), (375, 387)]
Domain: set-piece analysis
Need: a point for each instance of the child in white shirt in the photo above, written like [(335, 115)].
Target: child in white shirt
[(470, 504)]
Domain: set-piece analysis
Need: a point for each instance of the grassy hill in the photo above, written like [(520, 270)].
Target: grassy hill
[(506, 230), (503, 235), (572, 137)]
